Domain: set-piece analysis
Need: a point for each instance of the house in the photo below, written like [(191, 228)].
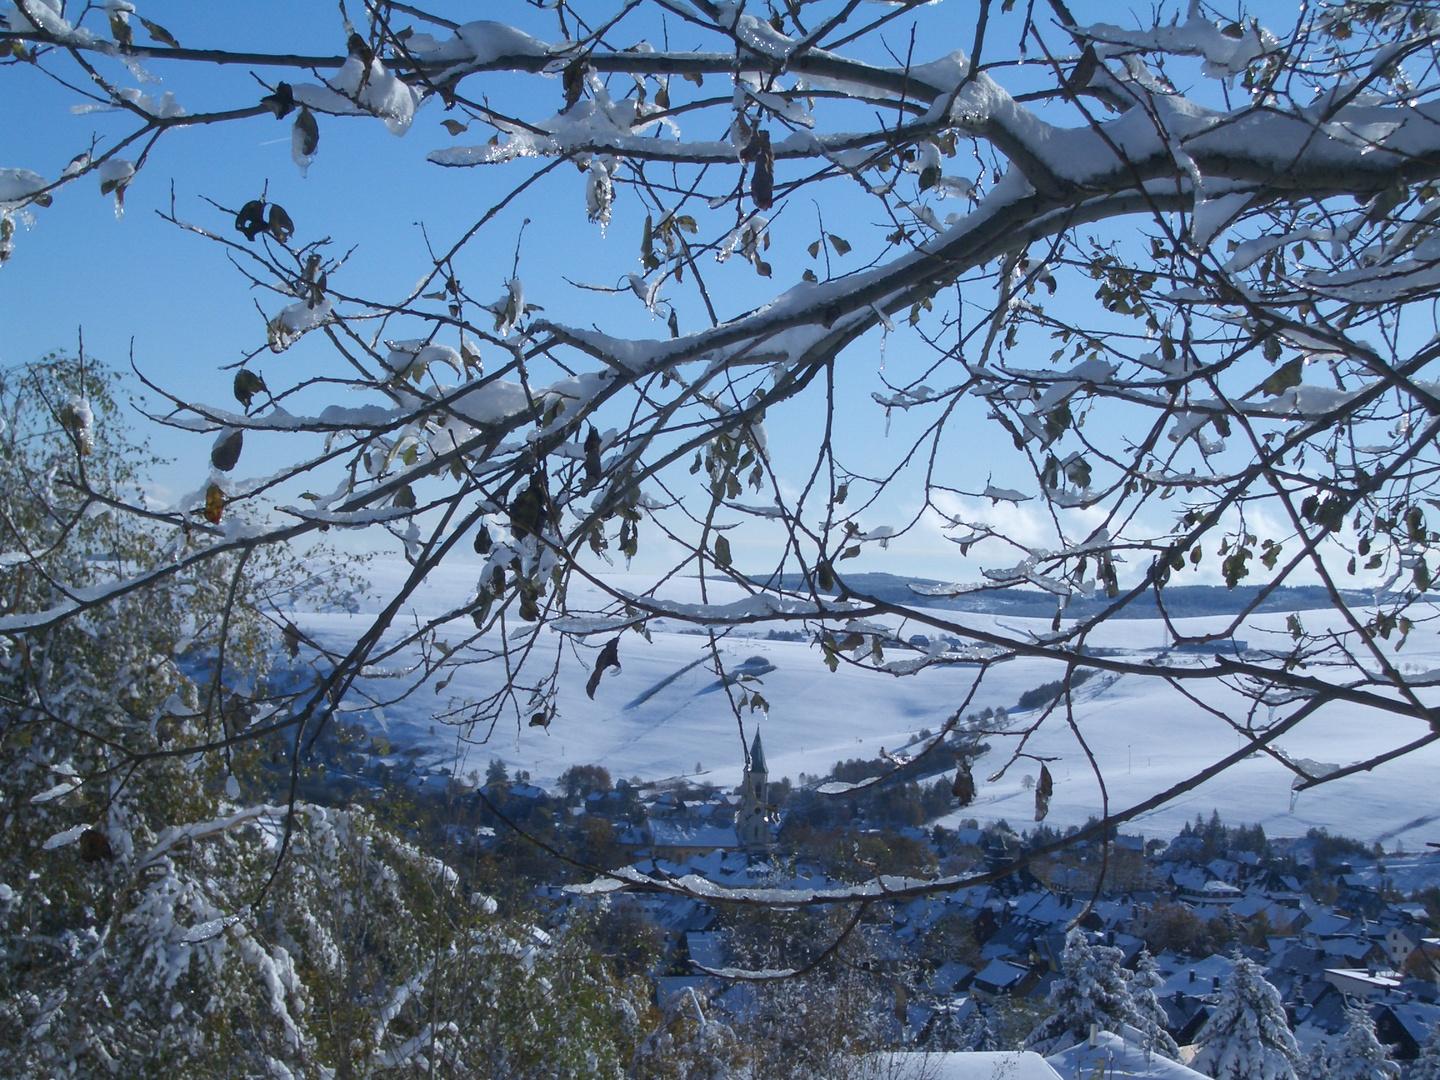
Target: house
[(1009, 1065), (1400, 942), (1000, 978), (1405, 1025), (679, 838), (1107, 1054), (1357, 982)]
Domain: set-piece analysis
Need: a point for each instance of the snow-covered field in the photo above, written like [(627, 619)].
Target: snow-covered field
[(664, 714)]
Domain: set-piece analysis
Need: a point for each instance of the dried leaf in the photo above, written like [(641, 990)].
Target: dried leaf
[(280, 225), (573, 81), (609, 657), (1043, 791), (214, 504), (762, 181), (158, 32), (120, 29), (95, 846), (251, 219), (281, 102), (593, 471), (454, 127), (306, 137)]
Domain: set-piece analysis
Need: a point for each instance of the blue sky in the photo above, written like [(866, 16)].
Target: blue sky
[(140, 286)]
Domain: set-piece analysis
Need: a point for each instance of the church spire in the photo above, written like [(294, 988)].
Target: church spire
[(757, 755)]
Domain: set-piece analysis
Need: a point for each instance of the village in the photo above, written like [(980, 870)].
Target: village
[(1332, 923)]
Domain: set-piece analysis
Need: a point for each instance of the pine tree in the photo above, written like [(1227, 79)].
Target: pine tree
[(1150, 1015), (1359, 1055), (1247, 1036), (1092, 990)]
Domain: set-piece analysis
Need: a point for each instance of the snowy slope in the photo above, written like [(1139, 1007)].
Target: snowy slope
[(665, 712)]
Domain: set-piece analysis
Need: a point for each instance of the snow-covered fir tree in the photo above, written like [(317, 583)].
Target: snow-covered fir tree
[(1091, 990), (1247, 1036), (1358, 1054), (1427, 1065), (1149, 1014), (980, 1033), (1314, 1064)]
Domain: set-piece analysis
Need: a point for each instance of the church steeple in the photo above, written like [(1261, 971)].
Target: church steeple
[(752, 823), (757, 756)]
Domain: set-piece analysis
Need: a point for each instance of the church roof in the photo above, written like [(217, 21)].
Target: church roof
[(757, 755)]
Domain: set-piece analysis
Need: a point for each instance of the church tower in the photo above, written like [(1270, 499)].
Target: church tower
[(752, 823)]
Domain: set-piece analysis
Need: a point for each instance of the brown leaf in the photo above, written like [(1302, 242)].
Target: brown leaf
[(158, 32), (609, 657), (454, 127), (214, 504), (1043, 790), (251, 219), (306, 138), (762, 181), (95, 846), (280, 225), (593, 472), (281, 102), (573, 81)]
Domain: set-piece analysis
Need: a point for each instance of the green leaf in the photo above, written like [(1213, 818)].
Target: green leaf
[(226, 451), (158, 32), (1284, 377), (247, 385)]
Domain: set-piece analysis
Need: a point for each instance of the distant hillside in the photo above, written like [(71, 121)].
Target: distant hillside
[(1181, 601)]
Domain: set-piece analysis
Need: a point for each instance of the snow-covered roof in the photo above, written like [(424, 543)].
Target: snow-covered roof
[(1000, 974), (680, 832), (1009, 1065), (1114, 1055)]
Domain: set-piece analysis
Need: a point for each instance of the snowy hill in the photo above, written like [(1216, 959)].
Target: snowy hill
[(665, 714)]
